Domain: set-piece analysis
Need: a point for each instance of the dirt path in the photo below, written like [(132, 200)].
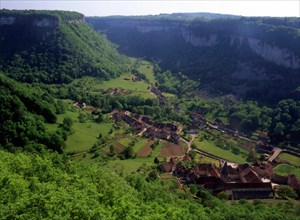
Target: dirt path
[(189, 143), (141, 133)]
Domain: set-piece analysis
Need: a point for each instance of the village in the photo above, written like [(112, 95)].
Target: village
[(250, 181)]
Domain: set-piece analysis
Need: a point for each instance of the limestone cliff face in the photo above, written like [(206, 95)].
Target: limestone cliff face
[(45, 22), (147, 29), (202, 36), (280, 56), (199, 41)]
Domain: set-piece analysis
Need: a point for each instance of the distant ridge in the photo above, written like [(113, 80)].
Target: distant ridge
[(201, 14)]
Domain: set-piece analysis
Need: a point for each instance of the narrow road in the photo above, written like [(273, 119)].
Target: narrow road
[(276, 152), (141, 133), (239, 136)]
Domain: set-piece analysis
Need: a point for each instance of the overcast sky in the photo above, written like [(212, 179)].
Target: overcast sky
[(145, 7)]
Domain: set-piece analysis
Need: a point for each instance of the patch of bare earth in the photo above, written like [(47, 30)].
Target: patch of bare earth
[(145, 152), (119, 147), (170, 149)]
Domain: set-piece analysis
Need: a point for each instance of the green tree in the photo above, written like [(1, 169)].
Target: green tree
[(279, 129), (152, 176), (112, 150), (192, 154), (193, 189), (223, 196), (128, 152), (67, 123)]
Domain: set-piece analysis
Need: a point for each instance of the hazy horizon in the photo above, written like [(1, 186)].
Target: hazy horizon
[(289, 8)]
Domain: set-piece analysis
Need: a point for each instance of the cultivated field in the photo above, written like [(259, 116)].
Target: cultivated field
[(171, 150)]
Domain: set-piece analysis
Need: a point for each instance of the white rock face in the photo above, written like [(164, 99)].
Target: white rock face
[(205, 41), (146, 29), (76, 21), (7, 20), (236, 40), (280, 56), (45, 22)]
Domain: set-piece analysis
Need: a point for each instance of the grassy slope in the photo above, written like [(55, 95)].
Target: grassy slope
[(204, 159), (85, 134), (147, 68)]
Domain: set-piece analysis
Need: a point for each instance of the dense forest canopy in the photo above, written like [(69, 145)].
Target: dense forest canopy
[(24, 111)]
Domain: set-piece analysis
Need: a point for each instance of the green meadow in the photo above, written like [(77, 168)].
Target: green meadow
[(211, 148), (289, 158), (147, 69), (286, 169)]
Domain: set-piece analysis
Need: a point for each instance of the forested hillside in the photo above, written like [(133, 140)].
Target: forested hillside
[(24, 112), (248, 57), (54, 47)]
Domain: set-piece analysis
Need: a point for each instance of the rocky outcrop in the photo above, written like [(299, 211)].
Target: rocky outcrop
[(197, 41), (236, 40), (272, 53), (45, 22)]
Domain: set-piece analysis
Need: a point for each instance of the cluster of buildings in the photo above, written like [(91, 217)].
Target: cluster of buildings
[(145, 126), (255, 181), (79, 104)]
